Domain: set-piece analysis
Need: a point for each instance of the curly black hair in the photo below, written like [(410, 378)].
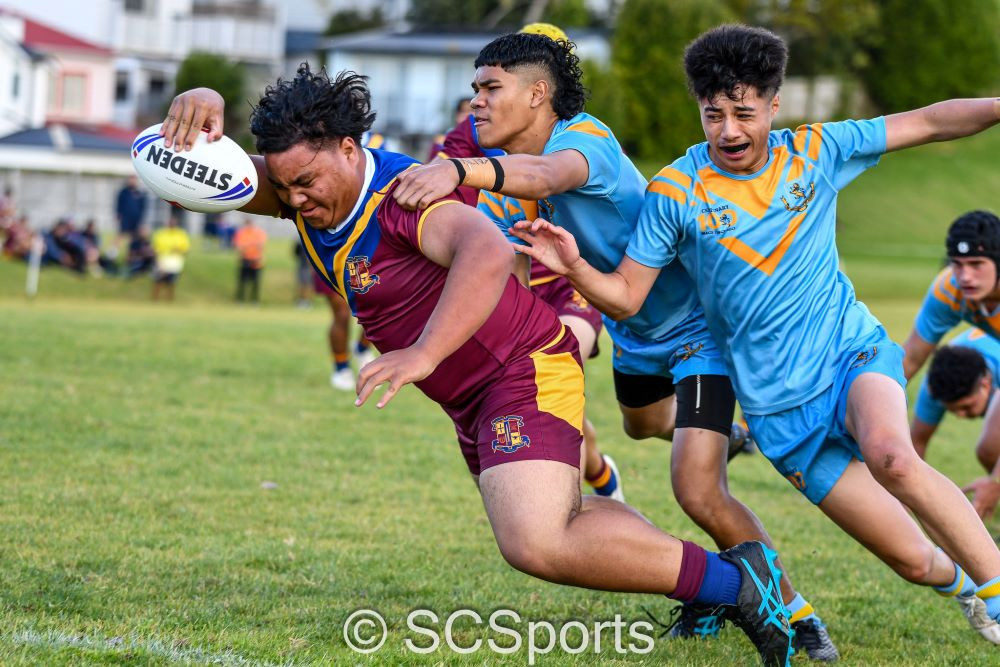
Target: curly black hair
[(311, 108), (556, 57), (726, 59), (954, 373)]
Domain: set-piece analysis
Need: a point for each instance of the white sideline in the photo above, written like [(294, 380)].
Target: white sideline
[(154, 647)]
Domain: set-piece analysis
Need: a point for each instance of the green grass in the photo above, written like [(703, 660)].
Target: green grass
[(182, 485)]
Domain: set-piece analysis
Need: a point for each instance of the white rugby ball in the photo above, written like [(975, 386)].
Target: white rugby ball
[(209, 178)]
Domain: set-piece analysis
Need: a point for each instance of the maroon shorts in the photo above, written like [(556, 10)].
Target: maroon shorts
[(559, 294), (532, 410), (320, 286)]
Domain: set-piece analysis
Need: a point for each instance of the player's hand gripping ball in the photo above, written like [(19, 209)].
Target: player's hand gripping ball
[(209, 178)]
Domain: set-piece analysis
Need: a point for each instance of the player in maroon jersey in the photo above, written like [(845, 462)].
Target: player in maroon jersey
[(435, 293)]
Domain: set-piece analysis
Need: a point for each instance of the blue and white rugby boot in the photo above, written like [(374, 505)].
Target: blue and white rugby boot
[(759, 610)]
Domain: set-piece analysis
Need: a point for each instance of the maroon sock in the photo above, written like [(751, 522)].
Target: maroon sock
[(693, 562)]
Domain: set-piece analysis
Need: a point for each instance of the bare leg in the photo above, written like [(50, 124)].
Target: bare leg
[(586, 337), (876, 417), (542, 529), (655, 420), (698, 476), (338, 327)]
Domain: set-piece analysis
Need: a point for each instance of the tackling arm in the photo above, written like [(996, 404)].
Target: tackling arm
[(522, 176), (618, 295), (942, 121)]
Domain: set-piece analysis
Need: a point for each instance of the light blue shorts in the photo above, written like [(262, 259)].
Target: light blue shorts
[(810, 444), (688, 350)]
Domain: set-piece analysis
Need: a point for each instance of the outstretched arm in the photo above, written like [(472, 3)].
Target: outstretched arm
[(917, 350), (618, 295), (200, 108), (943, 121), (921, 433), (479, 261), (521, 176), (986, 490)]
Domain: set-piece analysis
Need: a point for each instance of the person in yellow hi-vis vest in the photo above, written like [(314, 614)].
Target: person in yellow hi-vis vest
[(170, 244)]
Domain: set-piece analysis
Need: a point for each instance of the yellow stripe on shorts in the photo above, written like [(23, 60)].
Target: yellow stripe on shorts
[(559, 383)]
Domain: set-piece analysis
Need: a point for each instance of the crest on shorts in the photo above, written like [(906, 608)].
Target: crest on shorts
[(359, 279), (509, 437)]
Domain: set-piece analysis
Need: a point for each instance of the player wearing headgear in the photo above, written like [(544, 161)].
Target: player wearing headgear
[(963, 379), (529, 102), (751, 214), (967, 290), (435, 293)]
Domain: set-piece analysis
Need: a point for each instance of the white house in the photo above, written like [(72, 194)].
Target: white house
[(416, 77), (23, 79)]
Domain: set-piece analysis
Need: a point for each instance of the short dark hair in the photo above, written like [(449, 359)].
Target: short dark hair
[(556, 57), (730, 56), (954, 373), (311, 108)]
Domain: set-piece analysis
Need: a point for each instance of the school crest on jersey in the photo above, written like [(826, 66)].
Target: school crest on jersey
[(800, 197), (509, 437), (359, 278)]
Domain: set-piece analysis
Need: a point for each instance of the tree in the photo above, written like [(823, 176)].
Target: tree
[(658, 117), (351, 20), (209, 70), (930, 50), (567, 14), (450, 13)]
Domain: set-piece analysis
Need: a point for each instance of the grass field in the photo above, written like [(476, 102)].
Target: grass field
[(182, 485)]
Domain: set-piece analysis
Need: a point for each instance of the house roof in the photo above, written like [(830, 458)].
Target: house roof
[(42, 37), (302, 41), (423, 43), (432, 42), (105, 138)]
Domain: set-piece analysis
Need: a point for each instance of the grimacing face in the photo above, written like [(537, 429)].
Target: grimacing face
[(322, 184), (975, 404), (976, 276), (737, 130), (501, 106)]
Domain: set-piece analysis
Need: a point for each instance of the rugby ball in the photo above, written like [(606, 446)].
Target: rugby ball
[(209, 178)]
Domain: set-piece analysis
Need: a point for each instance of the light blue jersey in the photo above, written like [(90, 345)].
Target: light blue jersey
[(931, 411), (602, 215), (762, 253), (945, 307)]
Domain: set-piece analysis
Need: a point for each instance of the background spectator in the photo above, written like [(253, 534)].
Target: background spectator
[(170, 244), (129, 209), (140, 253), (249, 242)]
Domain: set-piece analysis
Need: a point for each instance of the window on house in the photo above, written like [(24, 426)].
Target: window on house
[(15, 85), (121, 86), (137, 6), (157, 85), (74, 93)]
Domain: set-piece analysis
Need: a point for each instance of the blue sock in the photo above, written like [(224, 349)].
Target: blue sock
[(990, 594), (340, 365), (360, 347), (721, 584), (800, 610), (962, 585), (604, 483)]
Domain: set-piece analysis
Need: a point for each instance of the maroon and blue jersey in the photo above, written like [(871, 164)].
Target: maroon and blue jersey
[(374, 260)]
